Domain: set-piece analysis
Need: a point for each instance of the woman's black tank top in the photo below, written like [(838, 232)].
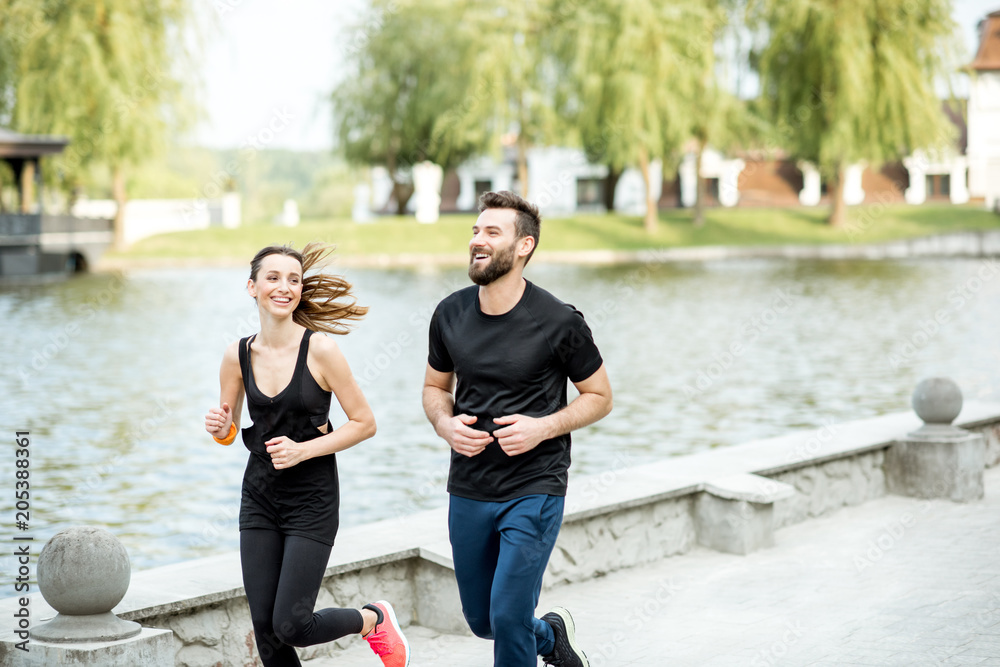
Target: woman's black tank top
[(303, 500)]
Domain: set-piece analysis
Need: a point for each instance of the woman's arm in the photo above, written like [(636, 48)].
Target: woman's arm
[(334, 373), (218, 420)]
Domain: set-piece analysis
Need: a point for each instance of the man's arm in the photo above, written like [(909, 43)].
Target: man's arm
[(439, 406), (521, 433)]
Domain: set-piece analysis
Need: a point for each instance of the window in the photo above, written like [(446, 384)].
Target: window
[(481, 187), (938, 185), (589, 192), (712, 192)]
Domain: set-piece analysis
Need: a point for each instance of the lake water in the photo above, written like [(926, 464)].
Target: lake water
[(112, 376)]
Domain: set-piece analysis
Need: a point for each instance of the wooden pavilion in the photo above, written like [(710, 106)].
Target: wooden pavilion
[(35, 243)]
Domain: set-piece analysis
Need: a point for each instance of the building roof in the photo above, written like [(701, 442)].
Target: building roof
[(988, 56), (17, 145)]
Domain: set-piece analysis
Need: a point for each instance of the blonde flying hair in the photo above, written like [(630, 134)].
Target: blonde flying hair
[(327, 303)]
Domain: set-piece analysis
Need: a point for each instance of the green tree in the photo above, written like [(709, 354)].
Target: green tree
[(722, 120), (19, 22), (850, 81), (407, 77), (102, 73), (512, 50), (12, 27), (638, 67)]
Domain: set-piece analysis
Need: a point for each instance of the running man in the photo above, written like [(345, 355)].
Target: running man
[(500, 354)]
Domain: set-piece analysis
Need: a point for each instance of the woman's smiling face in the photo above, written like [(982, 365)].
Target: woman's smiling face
[(278, 288)]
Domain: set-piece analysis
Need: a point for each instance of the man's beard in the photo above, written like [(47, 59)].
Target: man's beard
[(500, 264)]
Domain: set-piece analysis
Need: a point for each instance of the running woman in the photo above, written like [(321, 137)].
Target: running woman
[(290, 506), (501, 352)]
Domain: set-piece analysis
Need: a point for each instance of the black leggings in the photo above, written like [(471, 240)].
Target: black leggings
[(282, 575)]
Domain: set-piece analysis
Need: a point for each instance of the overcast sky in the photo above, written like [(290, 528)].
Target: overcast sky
[(271, 66)]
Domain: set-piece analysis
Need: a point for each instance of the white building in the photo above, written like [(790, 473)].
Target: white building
[(984, 114), (561, 181)]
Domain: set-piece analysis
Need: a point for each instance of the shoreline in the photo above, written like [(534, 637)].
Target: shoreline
[(980, 243)]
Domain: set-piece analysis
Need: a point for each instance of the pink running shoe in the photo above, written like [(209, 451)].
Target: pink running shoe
[(386, 639)]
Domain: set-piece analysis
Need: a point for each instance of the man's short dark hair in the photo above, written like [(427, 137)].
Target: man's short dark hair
[(527, 221)]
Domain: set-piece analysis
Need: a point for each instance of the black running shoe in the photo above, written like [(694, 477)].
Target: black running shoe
[(565, 653)]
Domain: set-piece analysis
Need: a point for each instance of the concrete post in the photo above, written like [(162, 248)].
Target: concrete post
[(958, 186), (916, 165), (853, 192), (937, 460), (729, 182), (427, 179), (688, 174), (83, 573), (812, 186), (232, 210), (735, 514)]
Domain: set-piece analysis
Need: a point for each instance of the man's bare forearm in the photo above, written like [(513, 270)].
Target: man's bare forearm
[(439, 405), (584, 410)]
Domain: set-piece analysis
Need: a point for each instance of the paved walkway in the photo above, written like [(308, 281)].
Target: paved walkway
[(896, 581)]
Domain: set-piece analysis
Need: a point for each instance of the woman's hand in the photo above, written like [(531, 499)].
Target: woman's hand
[(218, 420), (285, 452)]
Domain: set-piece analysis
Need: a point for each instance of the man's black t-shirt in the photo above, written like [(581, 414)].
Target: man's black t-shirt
[(515, 363)]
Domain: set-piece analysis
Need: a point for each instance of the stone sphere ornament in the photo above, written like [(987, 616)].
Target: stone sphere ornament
[(83, 572), (938, 402)]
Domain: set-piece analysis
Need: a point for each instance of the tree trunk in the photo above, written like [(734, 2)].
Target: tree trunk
[(522, 164), (651, 221), (699, 188), (838, 210), (610, 183), (118, 194), (401, 192), (522, 144)]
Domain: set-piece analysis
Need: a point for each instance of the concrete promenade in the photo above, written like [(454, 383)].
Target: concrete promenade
[(893, 581)]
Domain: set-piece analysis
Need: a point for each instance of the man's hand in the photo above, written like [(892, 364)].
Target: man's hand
[(466, 441), (520, 433)]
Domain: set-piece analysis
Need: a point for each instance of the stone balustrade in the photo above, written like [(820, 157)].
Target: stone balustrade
[(621, 518)]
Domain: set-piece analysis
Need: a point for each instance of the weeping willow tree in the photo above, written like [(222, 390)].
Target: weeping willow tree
[(638, 68), (102, 73), (511, 55), (15, 23), (16, 27), (408, 79), (846, 81), (723, 120)]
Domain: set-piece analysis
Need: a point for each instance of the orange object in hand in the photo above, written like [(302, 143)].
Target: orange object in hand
[(228, 440)]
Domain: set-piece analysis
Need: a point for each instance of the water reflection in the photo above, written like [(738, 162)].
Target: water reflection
[(112, 375)]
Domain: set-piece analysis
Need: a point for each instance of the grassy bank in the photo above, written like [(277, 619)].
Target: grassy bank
[(737, 226)]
